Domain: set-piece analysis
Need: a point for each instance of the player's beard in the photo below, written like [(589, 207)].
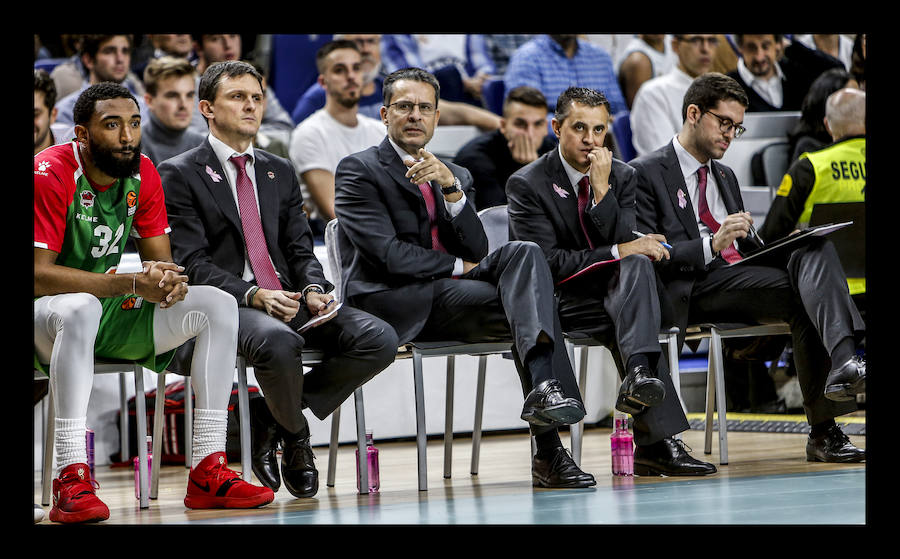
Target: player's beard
[(106, 160)]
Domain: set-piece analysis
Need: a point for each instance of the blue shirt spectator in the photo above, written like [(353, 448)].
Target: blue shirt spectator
[(542, 63), (314, 99)]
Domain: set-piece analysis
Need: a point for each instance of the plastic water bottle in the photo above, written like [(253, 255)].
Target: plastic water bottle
[(89, 446), (621, 446), (372, 461), (137, 468)]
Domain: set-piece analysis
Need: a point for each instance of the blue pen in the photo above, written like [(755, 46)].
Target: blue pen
[(639, 234)]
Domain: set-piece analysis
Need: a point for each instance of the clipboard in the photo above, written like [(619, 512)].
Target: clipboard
[(317, 319), (586, 271), (790, 242)]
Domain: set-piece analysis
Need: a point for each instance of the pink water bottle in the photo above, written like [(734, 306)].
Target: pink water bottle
[(621, 446), (137, 468), (372, 461)]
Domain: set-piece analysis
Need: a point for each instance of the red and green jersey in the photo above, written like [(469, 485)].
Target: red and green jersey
[(86, 224)]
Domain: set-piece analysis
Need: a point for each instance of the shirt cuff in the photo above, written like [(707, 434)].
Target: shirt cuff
[(457, 267), (707, 251), (454, 208), (615, 251)]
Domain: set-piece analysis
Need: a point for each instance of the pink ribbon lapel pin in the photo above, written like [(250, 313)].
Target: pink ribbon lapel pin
[(682, 201), (216, 177), (561, 191)]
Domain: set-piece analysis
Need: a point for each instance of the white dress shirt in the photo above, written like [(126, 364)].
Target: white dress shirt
[(689, 166), (769, 89), (453, 208), (656, 111), (575, 177)]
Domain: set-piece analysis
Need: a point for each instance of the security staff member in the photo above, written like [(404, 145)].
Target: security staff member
[(836, 173)]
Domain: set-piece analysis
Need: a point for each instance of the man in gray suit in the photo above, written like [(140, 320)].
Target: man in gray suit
[(416, 256)]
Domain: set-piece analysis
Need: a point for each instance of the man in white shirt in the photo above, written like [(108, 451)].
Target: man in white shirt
[(657, 111), (334, 131)]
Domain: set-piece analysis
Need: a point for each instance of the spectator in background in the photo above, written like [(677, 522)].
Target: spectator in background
[(726, 57), (277, 124), (171, 99), (834, 44), (178, 46), (643, 58), (775, 82), (72, 75), (656, 113), (46, 131), (460, 69), (552, 63), (498, 48), (452, 113), (493, 156), (320, 142), (858, 68), (106, 58), (810, 134)]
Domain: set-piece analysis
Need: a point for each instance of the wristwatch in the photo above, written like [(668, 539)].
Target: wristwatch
[(455, 187), (311, 289)]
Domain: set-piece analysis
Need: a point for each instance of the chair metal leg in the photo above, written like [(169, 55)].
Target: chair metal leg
[(159, 420), (141, 421), (421, 435), (362, 451), (576, 431), (715, 344), (124, 452), (479, 414), (188, 422), (675, 366), (49, 448), (244, 418), (333, 446), (710, 403), (448, 416)]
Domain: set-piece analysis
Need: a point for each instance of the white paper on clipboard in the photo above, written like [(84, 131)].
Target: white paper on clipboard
[(316, 320)]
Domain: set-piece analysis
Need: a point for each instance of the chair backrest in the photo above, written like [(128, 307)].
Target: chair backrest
[(448, 139), (495, 221), (769, 165), (763, 129), (334, 256), (849, 242)]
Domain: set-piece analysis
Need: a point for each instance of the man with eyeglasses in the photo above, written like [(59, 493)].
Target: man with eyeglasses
[(695, 202), (656, 112), (414, 254)]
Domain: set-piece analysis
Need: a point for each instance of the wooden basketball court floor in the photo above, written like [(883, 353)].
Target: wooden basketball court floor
[(766, 482)]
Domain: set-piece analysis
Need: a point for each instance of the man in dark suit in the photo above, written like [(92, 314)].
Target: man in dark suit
[(577, 203), (237, 224), (415, 255), (686, 195)]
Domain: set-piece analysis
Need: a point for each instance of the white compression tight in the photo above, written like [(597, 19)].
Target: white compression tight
[(65, 327)]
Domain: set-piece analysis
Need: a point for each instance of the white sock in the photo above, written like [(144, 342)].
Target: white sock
[(70, 443), (210, 428)]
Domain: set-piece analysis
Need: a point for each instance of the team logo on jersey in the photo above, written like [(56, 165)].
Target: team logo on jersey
[(42, 168), (87, 199), (131, 200)]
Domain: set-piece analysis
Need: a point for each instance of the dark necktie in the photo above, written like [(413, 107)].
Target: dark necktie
[(584, 193), (730, 254), (428, 194), (257, 249)]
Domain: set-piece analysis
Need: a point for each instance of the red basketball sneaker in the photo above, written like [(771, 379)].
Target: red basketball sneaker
[(213, 485), (73, 497)]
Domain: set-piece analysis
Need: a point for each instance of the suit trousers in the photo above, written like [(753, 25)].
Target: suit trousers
[(809, 292), (356, 347), (621, 308)]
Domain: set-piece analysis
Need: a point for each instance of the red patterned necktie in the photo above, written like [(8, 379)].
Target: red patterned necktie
[(584, 192), (730, 254), (257, 249), (428, 194)]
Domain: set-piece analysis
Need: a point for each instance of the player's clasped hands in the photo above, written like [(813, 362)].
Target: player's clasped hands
[(161, 282)]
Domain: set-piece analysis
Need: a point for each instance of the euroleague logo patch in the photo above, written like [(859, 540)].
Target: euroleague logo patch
[(131, 201), (87, 199), (133, 302)]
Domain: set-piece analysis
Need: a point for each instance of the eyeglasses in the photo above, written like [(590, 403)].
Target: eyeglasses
[(726, 125), (405, 107), (698, 40)]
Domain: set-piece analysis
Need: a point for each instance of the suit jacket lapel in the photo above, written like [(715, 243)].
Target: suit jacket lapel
[(567, 205), (397, 170), (674, 181), (730, 194), (216, 181)]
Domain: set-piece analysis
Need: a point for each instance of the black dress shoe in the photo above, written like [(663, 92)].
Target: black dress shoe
[(559, 470), (848, 380), (264, 437), (668, 457), (547, 406), (833, 446), (639, 391), (298, 470)]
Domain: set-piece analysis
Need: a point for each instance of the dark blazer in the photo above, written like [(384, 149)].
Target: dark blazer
[(538, 213), (385, 238), (659, 180), (207, 238)]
